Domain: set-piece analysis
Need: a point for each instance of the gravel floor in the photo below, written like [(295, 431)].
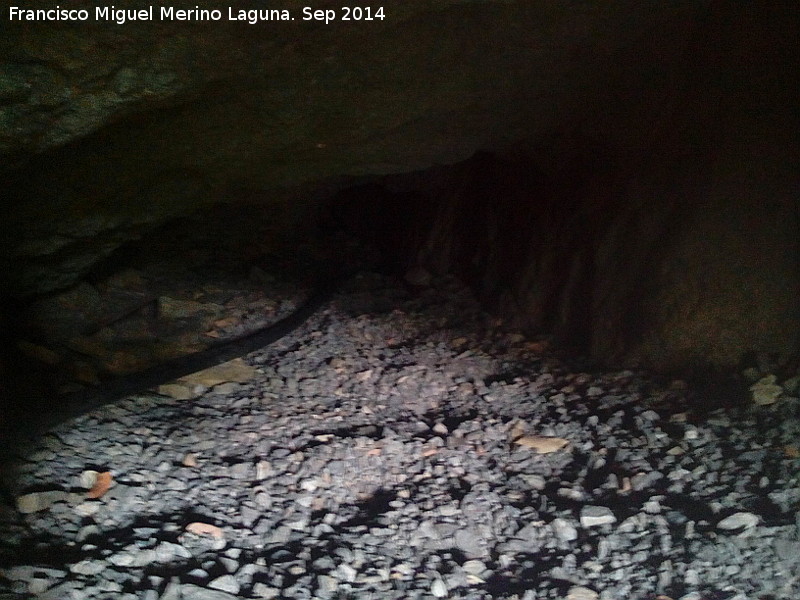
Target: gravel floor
[(400, 445)]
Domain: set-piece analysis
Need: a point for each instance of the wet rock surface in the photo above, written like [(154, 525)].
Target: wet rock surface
[(402, 444)]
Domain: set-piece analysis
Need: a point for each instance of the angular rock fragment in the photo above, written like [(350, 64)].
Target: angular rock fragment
[(542, 444), (594, 516)]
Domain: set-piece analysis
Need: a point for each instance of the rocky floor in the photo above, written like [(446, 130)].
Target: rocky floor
[(401, 444)]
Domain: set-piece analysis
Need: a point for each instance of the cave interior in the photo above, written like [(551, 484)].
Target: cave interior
[(616, 187)]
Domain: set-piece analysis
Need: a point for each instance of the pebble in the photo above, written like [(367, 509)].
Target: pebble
[(88, 567), (475, 567), (230, 565), (38, 586), (167, 552), (438, 588), (122, 559), (536, 482), (87, 509), (441, 429), (172, 591), (738, 520), (347, 573), (471, 543), (240, 470), (86, 532), (261, 590), (766, 391), (225, 583), (564, 530), (594, 516), (37, 501), (327, 585), (581, 593), (197, 574)]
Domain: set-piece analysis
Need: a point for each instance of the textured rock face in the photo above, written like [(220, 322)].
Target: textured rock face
[(115, 128), (669, 242), (644, 202), (676, 273)]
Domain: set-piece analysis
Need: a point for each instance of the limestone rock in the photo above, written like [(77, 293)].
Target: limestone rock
[(542, 444), (739, 520), (594, 516), (766, 391), (36, 501), (235, 370)]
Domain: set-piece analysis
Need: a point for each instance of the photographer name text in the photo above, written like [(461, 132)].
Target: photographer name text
[(120, 16)]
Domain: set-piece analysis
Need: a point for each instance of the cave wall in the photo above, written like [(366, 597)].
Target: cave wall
[(668, 241), (694, 268), (108, 130), (634, 191)]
